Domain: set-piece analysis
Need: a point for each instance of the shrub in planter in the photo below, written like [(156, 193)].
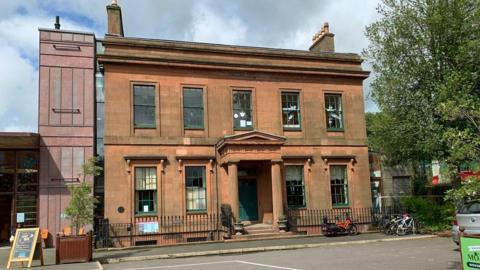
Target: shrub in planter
[(80, 213), (282, 223)]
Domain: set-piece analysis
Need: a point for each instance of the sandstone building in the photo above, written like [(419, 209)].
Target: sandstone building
[(190, 126), (186, 127)]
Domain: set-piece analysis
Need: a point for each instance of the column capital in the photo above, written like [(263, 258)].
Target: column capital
[(232, 162), (277, 161)]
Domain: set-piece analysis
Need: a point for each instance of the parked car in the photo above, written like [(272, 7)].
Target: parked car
[(468, 217)]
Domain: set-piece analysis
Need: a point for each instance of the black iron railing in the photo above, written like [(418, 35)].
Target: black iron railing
[(159, 230), (300, 219)]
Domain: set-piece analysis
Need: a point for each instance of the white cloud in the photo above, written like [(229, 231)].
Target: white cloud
[(266, 23), (19, 91), (209, 26)]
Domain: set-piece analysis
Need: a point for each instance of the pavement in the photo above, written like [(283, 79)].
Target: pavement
[(137, 254), (49, 260), (423, 254)]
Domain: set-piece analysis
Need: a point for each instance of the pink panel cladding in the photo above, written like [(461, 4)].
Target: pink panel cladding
[(66, 118)]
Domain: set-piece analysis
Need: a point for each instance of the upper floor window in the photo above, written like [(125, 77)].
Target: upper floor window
[(195, 184), (145, 190), (291, 110), (193, 108), (242, 109), (334, 113), (338, 185), (295, 186), (144, 106)]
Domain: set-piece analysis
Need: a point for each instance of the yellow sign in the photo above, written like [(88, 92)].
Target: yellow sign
[(24, 245)]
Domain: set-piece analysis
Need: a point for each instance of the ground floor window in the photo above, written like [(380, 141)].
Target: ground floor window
[(338, 184), (145, 190), (195, 184), (295, 186)]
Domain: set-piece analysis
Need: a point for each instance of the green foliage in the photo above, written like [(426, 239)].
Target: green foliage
[(426, 55), (469, 190), (82, 203), (91, 168), (432, 216)]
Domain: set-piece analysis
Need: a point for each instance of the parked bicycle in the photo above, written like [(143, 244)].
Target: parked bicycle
[(406, 225), (398, 225)]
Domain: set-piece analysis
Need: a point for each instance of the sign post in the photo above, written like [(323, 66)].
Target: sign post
[(470, 252), (26, 247)]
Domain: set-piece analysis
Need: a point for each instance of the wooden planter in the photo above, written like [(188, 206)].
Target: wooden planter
[(73, 249)]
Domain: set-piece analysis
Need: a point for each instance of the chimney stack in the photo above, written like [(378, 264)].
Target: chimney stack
[(57, 22), (323, 40), (115, 24)]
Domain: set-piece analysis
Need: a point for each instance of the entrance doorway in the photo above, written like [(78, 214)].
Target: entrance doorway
[(247, 195)]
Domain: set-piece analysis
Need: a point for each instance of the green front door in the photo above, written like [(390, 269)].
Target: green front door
[(247, 194)]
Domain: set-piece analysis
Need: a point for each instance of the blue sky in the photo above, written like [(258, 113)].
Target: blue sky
[(266, 23)]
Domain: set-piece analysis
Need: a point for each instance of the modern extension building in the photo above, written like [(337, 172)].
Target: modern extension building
[(186, 127)]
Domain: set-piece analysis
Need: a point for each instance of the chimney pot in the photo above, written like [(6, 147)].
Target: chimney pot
[(323, 40), (57, 22)]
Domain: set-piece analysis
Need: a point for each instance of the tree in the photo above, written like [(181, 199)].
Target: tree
[(426, 57), (82, 203)]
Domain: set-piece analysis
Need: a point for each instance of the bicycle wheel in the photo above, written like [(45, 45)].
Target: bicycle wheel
[(393, 228), (401, 229), (386, 229)]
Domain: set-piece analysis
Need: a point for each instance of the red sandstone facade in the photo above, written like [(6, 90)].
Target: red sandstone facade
[(171, 168)]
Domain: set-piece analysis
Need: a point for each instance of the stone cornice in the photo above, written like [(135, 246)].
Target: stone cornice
[(227, 57)]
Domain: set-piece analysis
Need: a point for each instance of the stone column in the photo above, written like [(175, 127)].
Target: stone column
[(277, 194), (233, 188)]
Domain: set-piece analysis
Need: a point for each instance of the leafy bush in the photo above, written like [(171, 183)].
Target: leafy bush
[(432, 216), (469, 190)]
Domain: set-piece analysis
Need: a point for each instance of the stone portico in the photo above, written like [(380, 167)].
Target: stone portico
[(263, 150)]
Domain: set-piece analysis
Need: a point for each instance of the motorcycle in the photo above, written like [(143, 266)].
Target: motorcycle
[(347, 227)]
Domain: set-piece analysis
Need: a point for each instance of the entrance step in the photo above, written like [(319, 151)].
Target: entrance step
[(261, 231), (260, 228)]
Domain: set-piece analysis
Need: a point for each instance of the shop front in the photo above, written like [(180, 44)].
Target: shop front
[(18, 183)]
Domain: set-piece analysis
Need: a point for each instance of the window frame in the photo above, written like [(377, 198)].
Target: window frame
[(144, 84), (298, 110), (251, 109), (344, 185), (303, 186), (342, 120), (136, 195), (192, 87), (204, 175)]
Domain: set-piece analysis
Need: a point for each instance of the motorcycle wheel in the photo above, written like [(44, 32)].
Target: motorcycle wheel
[(352, 230)]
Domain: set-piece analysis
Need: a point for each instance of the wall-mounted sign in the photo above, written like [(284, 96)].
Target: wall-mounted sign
[(20, 217), (148, 227), (25, 247)]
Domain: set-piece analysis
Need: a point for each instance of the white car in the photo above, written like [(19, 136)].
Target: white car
[(468, 217)]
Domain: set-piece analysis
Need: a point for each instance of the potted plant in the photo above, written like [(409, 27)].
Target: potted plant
[(238, 228), (78, 247), (282, 223)]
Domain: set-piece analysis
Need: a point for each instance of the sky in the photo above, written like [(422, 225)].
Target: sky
[(288, 24)]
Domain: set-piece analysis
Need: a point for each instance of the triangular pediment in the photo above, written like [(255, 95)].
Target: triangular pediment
[(252, 137)]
